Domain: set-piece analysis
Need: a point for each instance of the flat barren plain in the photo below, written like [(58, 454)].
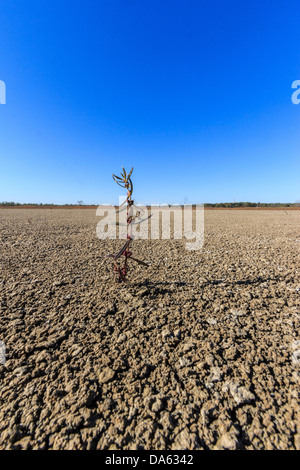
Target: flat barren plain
[(201, 350)]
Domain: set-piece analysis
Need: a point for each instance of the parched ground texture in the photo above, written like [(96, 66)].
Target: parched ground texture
[(199, 351)]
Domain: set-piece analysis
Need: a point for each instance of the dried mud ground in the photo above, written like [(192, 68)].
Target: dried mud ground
[(199, 351)]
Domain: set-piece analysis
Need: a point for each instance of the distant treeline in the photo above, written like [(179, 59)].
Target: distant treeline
[(252, 204), (5, 203), (218, 204)]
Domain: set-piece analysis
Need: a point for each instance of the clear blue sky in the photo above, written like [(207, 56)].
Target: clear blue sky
[(196, 95)]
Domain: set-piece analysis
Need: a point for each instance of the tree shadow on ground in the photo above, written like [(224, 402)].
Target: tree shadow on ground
[(161, 287), (258, 280), (164, 287)]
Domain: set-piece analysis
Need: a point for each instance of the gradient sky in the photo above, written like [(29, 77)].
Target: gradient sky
[(196, 95)]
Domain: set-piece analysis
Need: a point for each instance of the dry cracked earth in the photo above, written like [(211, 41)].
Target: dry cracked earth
[(199, 351)]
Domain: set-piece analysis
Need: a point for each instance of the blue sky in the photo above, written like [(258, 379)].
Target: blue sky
[(195, 95)]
